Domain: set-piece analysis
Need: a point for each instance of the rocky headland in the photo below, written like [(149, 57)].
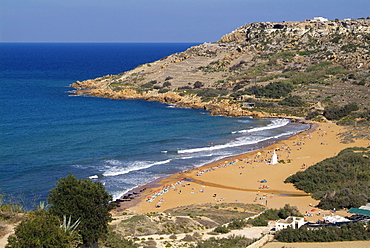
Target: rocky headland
[(326, 64)]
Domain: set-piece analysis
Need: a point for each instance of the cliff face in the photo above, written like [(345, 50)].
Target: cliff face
[(326, 62)]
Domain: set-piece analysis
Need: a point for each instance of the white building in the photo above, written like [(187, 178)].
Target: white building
[(293, 222), (320, 19)]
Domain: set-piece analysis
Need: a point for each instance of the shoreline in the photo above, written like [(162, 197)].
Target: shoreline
[(139, 193), (134, 195), (239, 178)]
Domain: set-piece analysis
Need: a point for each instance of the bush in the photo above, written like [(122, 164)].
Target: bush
[(112, 239), (292, 101), (221, 229), (166, 84), (274, 90), (198, 85), (147, 85), (84, 200), (347, 232), (312, 115), (231, 242), (274, 214), (208, 92), (42, 229), (342, 181), (258, 221), (238, 86), (163, 90), (336, 113), (237, 224)]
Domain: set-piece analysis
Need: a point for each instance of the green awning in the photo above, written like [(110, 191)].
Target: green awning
[(359, 211)]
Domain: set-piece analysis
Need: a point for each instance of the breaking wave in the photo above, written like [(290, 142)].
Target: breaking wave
[(135, 166), (274, 124), (238, 142)]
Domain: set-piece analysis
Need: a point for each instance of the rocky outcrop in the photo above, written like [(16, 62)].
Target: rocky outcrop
[(256, 31), (221, 108), (255, 53)]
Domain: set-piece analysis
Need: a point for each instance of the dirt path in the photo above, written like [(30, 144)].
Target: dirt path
[(4, 239), (216, 185)]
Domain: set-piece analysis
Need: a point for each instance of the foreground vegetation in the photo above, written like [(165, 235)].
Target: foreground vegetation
[(346, 232), (187, 219), (275, 214), (79, 213), (77, 217), (230, 242), (339, 182)]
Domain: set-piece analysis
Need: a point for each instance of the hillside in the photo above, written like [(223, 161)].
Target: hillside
[(314, 69)]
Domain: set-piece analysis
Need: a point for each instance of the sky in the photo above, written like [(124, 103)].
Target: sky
[(155, 20)]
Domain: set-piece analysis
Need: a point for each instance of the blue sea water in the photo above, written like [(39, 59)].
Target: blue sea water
[(47, 134)]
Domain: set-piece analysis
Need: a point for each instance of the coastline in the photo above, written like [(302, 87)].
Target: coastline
[(239, 178), (136, 194)]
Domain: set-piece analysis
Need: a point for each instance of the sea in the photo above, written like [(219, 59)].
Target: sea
[(47, 134)]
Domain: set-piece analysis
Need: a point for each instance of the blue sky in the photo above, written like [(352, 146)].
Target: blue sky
[(155, 20)]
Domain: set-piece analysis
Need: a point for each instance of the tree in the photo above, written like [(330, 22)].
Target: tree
[(198, 85), (84, 200), (42, 229)]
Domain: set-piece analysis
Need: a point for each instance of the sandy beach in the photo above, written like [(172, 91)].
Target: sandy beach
[(250, 178)]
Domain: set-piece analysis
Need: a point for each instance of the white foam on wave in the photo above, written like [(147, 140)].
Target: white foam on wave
[(176, 106), (139, 165), (274, 124), (238, 142)]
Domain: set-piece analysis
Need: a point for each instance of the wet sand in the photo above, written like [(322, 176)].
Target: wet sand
[(242, 178)]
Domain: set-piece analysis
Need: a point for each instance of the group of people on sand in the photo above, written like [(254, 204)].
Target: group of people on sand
[(221, 165), (162, 191), (258, 158)]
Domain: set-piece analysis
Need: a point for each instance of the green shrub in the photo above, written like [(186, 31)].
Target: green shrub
[(336, 113), (112, 239), (342, 181), (221, 229), (42, 229), (237, 224), (274, 214), (73, 197), (272, 90), (292, 101), (163, 90), (198, 85), (258, 221), (312, 115), (166, 84), (347, 232), (209, 92), (231, 242)]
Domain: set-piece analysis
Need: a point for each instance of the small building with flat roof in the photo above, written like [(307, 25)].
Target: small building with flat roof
[(291, 221)]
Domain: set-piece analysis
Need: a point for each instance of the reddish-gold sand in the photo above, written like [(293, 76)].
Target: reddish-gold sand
[(240, 182)]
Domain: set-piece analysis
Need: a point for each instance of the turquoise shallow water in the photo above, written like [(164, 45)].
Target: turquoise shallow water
[(47, 134)]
